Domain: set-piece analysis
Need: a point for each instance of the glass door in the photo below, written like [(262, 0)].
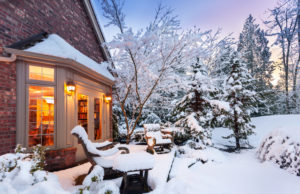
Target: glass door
[(97, 119), (83, 111)]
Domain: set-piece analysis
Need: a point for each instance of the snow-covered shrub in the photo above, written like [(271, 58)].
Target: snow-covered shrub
[(23, 172), (94, 184), (282, 150)]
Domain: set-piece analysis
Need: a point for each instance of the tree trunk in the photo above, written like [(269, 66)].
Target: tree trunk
[(237, 143), (295, 96), (236, 132), (128, 139), (287, 90)]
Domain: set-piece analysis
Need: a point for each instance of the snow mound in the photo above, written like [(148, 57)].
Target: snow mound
[(283, 149), (56, 46), (19, 175)]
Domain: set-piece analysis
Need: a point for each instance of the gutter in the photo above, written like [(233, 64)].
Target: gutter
[(10, 59)]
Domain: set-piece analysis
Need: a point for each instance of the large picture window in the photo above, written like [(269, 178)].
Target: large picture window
[(41, 115), (41, 107)]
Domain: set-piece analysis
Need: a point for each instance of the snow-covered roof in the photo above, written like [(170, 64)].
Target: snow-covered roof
[(56, 46)]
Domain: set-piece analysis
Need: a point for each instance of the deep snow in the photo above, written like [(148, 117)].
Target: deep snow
[(236, 173), (224, 173)]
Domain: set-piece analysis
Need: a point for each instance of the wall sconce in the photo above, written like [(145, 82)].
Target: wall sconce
[(70, 87), (107, 99)]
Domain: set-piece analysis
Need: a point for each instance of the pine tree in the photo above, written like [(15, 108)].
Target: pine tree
[(197, 111), (241, 100), (253, 45)]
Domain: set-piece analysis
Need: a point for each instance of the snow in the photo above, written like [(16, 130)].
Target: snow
[(239, 173), (151, 127), (56, 46), (282, 150), (220, 104), (67, 177), (20, 178), (159, 137), (234, 173), (98, 172), (223, 173), (133, 161)]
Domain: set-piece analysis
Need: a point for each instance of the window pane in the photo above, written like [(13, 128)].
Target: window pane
[(83, 111), (41, 73), (34, 128), (47, 140), (34, 140), (97, 120), (41, 115)]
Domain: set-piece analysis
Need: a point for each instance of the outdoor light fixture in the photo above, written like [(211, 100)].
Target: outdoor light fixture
[(70, 88), (107, 99)]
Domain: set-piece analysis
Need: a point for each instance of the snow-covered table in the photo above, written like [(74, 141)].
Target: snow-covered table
[(134, 162)]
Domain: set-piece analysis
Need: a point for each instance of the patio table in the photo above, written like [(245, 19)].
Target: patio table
[(134, 162)]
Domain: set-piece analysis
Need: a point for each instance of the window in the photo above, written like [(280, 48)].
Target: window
[(41, 105), (83, 111), (41, 115), (97, 120), (41, 73)]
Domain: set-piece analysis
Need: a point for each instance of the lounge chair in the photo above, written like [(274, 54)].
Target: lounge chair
[(156, 139), (102, 154)]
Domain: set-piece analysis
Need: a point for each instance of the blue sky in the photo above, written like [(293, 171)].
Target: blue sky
[(205, 14)]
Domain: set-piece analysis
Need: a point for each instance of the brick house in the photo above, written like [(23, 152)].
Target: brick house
[(51, 78)]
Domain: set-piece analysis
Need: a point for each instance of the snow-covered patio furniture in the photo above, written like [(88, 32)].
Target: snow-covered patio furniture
[(157, 139), (134, 162), (102, 154)]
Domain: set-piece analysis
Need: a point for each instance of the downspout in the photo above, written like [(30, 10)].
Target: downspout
[(10, 59)]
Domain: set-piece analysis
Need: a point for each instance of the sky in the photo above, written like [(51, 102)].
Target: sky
[(229, 15)]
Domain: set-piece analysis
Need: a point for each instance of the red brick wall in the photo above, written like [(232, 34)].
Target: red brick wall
[(21, 19), (60, 159), (7, 107)]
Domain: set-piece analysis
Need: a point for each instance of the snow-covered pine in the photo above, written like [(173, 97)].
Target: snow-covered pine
[(241, 100), (253, 45), (197, 111)]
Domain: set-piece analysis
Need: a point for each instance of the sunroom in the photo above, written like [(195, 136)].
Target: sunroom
[(58, 88)]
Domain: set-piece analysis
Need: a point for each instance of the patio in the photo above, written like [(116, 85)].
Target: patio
[(157, 176)]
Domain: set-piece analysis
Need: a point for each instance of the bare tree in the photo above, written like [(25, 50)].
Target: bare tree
[(143, 59), (283, 25)]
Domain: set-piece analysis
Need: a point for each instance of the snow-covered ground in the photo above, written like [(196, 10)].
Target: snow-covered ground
[(224, 173), (236, 173), (289, 124)]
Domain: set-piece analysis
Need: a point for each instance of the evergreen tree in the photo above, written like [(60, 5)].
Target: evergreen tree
[(253, 46), (241, 100), (197, 111)]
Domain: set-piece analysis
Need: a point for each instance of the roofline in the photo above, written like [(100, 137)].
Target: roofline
[(67, 63), (96, 27)]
